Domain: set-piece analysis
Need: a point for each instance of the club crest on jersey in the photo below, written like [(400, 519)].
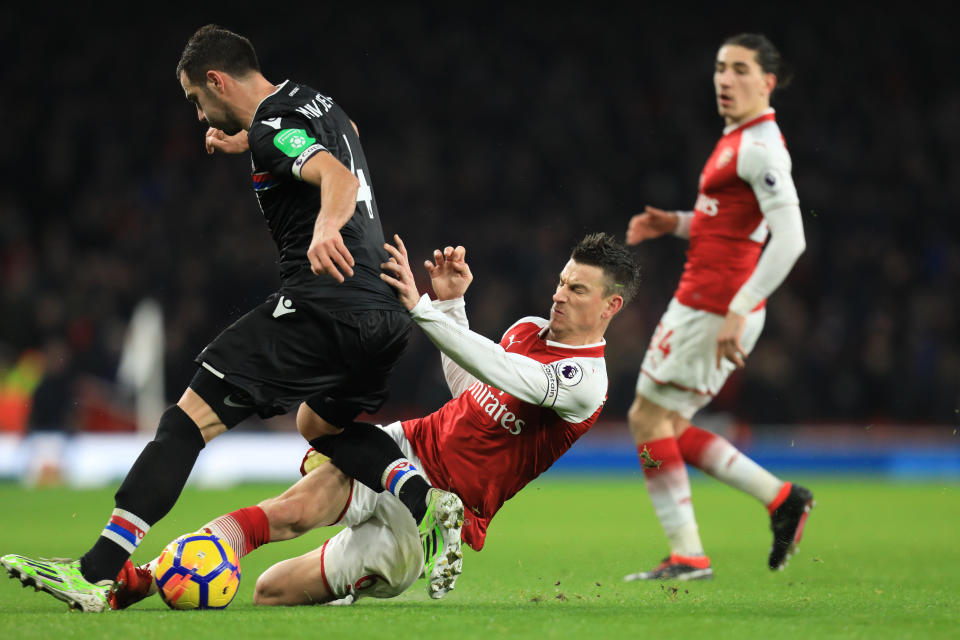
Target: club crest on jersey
[(569, 372), (724, 158)]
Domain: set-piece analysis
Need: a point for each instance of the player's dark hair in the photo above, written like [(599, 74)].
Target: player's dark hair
[(622, 271), (213, 47), (767, 55)]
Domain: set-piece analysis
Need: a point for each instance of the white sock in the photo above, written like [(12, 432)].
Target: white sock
[(715, 455), (669, 489)]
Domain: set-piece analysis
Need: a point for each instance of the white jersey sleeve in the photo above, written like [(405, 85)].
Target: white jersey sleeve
[(684, 218), (764, 163), (574, 396), (458, 378)]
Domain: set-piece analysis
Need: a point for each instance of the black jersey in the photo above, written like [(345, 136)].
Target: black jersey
[(290, 126)]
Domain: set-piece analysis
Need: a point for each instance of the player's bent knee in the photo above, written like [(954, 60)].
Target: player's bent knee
[(312, 426), (648, 420), (267, 592), (295, 581)]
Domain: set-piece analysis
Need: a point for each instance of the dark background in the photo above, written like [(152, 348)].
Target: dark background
[(510, 131)]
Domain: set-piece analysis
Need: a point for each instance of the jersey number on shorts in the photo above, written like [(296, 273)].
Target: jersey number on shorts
[(661, 341), (365, 582)]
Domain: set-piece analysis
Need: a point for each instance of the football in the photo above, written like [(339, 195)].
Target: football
[(198, 571)]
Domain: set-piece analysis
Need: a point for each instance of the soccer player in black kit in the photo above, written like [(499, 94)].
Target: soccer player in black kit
[(324, 343)]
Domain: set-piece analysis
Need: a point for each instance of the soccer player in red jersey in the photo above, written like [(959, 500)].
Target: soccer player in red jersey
[(746, 198), (518, 405)]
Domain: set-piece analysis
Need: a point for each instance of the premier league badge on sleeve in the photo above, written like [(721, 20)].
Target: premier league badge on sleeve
[(569, 372), (771, 181)]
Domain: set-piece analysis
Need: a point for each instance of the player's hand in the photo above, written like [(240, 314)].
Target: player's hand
[(328, 254), (217, 140), (398, 274), (450, 274), (652, 223), (728, 340)]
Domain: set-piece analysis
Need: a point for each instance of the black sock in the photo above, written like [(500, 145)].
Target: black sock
[(413, 494), (149, 491), (366, 453)]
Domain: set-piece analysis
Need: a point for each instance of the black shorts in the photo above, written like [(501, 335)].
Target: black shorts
[(290, 349)]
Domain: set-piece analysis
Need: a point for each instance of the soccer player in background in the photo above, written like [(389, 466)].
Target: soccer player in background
[(324, 343), (713, 322), (517, 407)]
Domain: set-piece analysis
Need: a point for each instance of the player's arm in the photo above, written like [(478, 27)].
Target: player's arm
[(458, 379), (338, 201), (653, 223), (518, 375), (450, 277), (289, 147), (769, 175)]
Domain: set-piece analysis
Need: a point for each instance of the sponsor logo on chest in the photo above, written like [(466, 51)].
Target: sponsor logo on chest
[(707, 205), (491, 402)]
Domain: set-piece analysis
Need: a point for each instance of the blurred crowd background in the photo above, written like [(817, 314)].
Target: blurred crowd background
[(513, 132)]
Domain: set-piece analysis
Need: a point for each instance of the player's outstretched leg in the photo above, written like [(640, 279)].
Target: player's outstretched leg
[(787, 522), (62, 579), (440, 534), (668, 486), (363, 451), (147, 493), (787, 504)]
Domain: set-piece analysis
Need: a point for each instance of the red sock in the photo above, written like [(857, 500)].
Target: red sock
[(715, 455), (244, 529), (693, 442), (661, 456)]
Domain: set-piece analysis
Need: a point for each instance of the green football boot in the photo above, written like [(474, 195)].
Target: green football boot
[(440, 535), (62, 579)]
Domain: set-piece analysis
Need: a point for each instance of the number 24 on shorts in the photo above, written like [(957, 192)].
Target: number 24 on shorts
[(661, 341)]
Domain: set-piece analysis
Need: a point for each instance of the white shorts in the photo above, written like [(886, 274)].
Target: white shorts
[(379, 553), (679, 371)]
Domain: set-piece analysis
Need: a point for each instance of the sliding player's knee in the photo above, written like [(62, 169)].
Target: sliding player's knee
[(269, 590)]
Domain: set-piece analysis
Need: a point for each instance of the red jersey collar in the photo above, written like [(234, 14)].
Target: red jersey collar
[(767, 114), (594, 350)]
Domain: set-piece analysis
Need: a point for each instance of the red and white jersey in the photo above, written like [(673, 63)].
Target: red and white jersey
[(746, 177), (524, 402)]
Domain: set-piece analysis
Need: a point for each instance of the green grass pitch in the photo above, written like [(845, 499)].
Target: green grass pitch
[(879, 560)]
